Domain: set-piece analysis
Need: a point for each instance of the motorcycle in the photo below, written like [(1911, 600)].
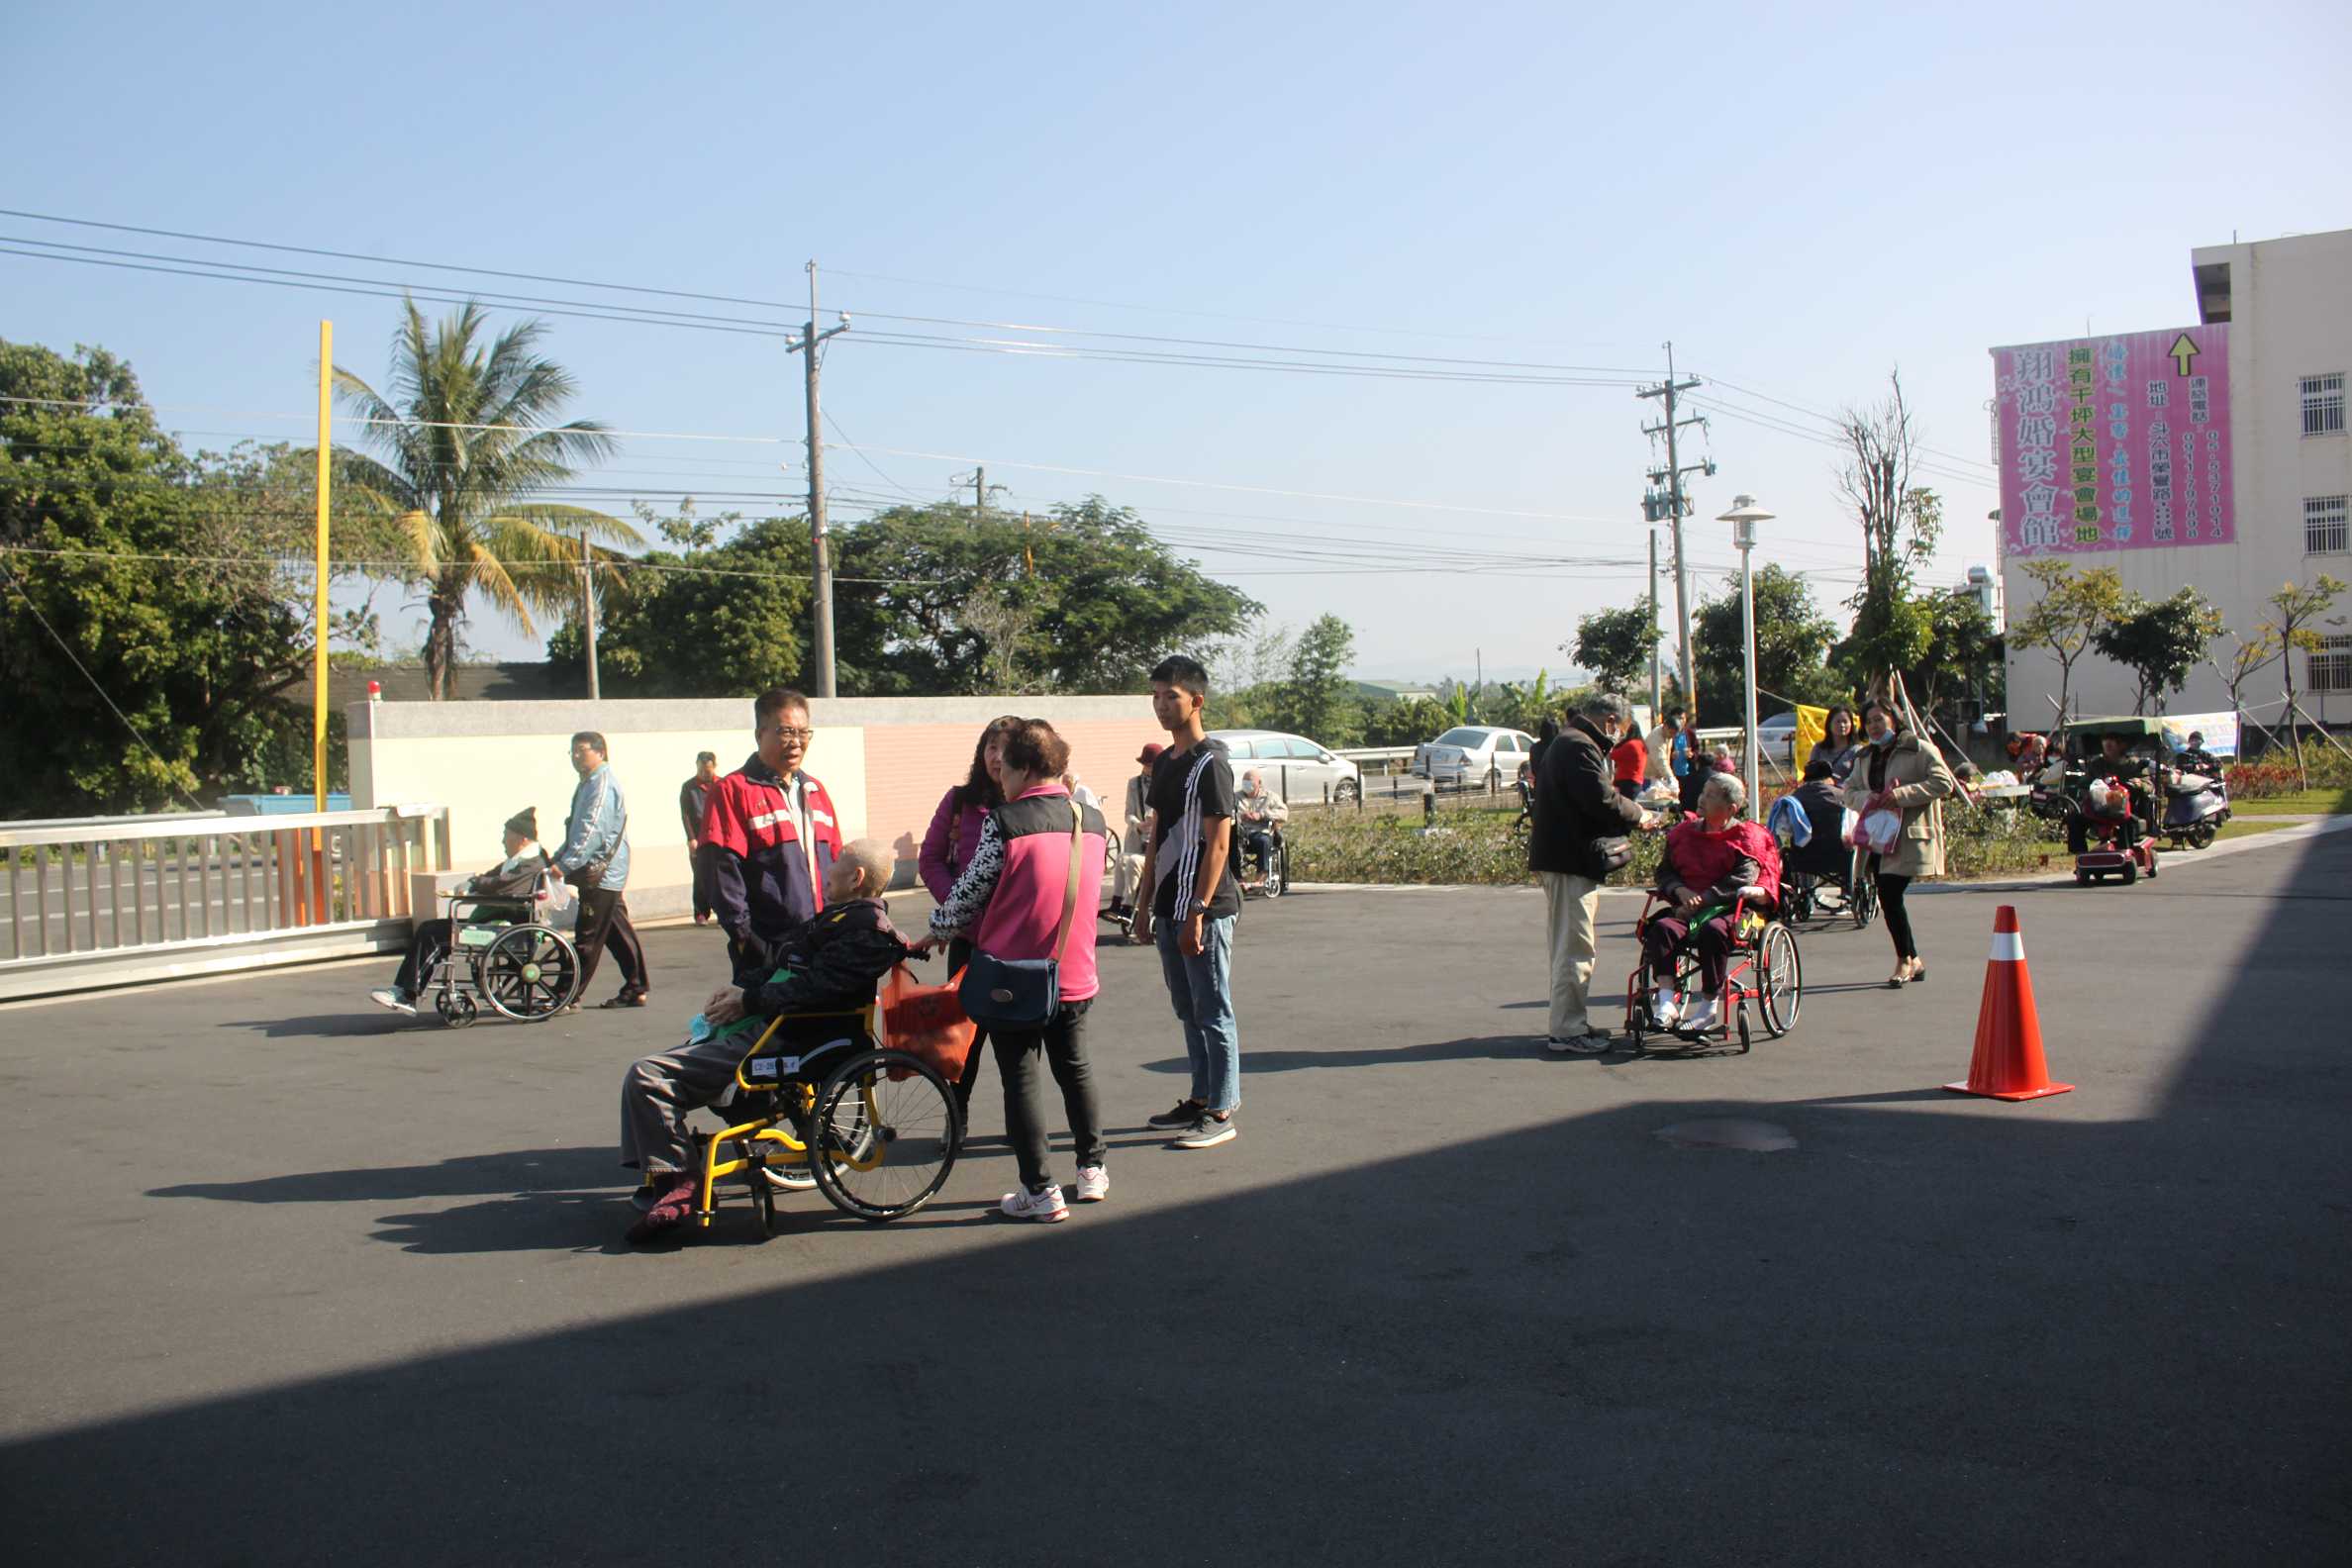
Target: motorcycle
[(2195, 806)]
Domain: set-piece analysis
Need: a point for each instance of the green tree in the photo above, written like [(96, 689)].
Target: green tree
[(1792, 636), (1105, 600), (727, 621), (154, 647), (1407, 721), (467, 443), (1316, 700), (2159, 641), (2293, 610), (1963, 653), (1616, 644), (2068, 616)]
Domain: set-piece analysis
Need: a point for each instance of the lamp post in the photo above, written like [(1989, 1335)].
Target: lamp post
[(1743, 518)]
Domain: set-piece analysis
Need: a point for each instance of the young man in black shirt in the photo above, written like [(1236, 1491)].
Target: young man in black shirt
[(1190, 903)]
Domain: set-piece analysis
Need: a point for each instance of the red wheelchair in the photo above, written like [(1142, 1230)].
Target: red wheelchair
[(1763, 967)]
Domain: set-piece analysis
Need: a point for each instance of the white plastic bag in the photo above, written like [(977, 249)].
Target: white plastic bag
[(1879, 827)]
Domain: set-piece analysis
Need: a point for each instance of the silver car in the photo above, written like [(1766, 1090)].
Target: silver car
[(1294, 767), (1475, 756)]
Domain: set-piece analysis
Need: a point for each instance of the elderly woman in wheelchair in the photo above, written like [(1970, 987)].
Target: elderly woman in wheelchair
[(790, 1054), (1711, 926)]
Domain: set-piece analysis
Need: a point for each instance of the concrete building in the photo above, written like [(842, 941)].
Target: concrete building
[(2287, 309)]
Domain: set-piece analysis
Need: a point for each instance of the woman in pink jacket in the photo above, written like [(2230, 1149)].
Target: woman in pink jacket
[(1015, 899), (947, 847)]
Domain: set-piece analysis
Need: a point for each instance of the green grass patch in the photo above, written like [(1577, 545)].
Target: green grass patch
[(2324, 802), (2240, 827), (1478, 848)]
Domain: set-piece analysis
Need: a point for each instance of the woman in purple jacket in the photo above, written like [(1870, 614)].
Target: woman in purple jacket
[(947, 847), (1010, 903)]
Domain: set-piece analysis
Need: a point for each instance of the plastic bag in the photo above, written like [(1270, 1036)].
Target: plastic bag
[(1877, 827), (926, 1021)]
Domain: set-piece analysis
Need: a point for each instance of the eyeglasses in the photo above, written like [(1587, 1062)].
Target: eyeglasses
[(804, 737)]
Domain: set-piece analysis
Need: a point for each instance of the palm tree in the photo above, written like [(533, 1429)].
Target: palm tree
[(467, 444)]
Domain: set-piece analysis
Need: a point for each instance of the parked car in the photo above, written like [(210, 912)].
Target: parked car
[(1776, 738), (1475, 756), (1294, 767)]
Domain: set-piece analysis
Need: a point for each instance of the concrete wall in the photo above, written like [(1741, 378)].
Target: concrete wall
[(2291, 316), (885, 760)]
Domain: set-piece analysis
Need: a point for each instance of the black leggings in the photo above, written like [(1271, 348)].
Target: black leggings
[(1890, 892)]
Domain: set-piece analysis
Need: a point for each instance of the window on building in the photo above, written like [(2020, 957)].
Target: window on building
[(2325, 531), (2324, 404), (2329, 667)]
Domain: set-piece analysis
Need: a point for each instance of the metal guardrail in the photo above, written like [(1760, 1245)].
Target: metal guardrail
[(113, 901)]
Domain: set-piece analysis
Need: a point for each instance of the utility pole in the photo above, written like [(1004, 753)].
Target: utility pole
[(819, 547), (1657, 695), (588, 610), (1672, 505), (980, 492)]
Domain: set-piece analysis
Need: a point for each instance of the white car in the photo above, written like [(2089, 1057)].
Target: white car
[(1294, 767), (1475, 756), (1776, 738)]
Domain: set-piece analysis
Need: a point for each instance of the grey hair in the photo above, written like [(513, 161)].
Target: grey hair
[(1734, 791), (875, 863), (1599, 704)]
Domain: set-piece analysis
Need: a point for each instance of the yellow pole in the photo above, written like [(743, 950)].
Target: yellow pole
[(319, 651)]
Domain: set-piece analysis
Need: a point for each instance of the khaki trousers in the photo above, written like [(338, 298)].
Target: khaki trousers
[(1571, 904)]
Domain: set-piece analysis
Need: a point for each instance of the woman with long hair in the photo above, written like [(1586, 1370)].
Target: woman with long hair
[(1909, 774), (947, 847), (1840, 744)]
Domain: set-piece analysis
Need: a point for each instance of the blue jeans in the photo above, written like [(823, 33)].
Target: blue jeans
[(1203, 991)]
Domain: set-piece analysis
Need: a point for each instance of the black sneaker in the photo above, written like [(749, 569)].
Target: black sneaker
[(1185, 1113), (1206, 1132)]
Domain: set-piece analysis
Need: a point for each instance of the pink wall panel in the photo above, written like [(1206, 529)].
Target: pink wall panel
[(909, 766)]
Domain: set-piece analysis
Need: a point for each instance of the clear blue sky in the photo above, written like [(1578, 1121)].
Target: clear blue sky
[(1799, 201)]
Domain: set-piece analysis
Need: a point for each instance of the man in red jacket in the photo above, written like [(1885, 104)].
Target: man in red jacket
[(769, 834)]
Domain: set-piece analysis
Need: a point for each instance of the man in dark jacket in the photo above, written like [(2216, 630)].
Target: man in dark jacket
[(831, 962), (1577, 809), (694, 798)]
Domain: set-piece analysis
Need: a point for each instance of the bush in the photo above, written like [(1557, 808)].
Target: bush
[(1479, 848)]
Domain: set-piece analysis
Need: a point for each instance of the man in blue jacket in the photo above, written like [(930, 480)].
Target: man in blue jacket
[(595, 860)]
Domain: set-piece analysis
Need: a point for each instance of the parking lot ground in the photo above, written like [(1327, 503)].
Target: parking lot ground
[(290, 1280)]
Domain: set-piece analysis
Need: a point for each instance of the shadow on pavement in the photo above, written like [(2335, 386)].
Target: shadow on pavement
[(507, 1171), (1965, 1334)]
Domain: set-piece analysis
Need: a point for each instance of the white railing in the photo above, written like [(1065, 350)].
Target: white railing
[(110, 900)]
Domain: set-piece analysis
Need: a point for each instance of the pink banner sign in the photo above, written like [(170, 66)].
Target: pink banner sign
[(2114, 442)]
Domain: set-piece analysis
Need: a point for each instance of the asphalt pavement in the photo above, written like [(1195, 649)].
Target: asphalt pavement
[(290, 1280)]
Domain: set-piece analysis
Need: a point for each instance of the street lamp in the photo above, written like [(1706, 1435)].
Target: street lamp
[(1743, 518)]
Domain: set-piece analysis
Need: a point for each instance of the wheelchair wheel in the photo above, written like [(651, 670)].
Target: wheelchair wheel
[(456, 1006), (1277, 871), (1862, 903), (530, 972), (884, 1135), (1780, 979)]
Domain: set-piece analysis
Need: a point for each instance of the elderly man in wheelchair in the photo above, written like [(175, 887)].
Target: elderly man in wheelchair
[(490, 904), (1711, 918), (803, 1018)]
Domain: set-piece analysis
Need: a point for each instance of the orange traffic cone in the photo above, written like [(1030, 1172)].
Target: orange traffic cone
[(2007, 1064)]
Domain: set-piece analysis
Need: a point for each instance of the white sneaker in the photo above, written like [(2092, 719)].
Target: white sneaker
[(1703, 1015), (389, 998), (1665, 1006), (1047, 1207), (1093, 1184)]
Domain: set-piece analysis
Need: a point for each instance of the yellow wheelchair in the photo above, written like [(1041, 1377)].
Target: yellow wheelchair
[(876, 1128)]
